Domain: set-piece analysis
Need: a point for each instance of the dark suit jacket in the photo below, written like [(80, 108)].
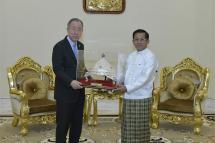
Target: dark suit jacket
[(64, 65)]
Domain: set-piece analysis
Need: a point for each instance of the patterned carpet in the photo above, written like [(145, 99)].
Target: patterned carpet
[(154, 139), (82, 140), (108, 131)]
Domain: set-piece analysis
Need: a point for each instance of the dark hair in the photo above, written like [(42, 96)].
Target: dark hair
[(74, 19), (141, 31)]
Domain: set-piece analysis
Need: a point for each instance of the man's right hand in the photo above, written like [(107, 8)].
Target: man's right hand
[(76, 84)]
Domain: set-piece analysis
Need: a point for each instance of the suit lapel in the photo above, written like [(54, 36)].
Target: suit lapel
[(69, 49)]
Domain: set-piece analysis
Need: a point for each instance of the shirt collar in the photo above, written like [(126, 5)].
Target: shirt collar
[(142, 52), (71, 42)]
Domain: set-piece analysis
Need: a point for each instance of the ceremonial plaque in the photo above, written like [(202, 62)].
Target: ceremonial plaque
[(104, 6)]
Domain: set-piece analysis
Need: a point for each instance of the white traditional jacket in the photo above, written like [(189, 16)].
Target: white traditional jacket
[(140, 73)]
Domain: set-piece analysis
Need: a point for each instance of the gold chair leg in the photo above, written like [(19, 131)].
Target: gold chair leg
[(15, 121), (197, 130), (24, 127), (154, 120), (197, 125)]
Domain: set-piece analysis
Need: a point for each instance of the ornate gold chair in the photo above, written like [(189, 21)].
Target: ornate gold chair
[(182, 91), (31, 92)]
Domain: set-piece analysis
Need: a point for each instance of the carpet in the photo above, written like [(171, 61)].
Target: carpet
[(82, 140), (108, 131), (155, 139)]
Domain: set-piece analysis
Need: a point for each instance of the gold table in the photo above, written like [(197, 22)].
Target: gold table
[(92, 96)]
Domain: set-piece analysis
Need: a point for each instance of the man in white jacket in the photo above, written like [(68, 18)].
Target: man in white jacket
[(141, 66)]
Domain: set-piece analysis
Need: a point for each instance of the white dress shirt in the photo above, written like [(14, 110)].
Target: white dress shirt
[(140, 74), (74, 47)]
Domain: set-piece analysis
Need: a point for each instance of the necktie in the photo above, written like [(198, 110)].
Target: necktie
[(75, 50)]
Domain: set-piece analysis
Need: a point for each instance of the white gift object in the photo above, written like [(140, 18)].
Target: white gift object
[(103, 68)]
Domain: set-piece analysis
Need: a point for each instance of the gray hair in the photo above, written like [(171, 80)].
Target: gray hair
[(74, 19)]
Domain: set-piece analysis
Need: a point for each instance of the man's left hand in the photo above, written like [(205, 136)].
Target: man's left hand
[(122, 88)]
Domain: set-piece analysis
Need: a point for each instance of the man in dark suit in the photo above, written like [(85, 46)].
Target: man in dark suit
[(68, 65)]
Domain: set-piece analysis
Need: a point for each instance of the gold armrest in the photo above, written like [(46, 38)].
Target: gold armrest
[(21, 98), (50, 95), (18, 93), (200, 96)]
